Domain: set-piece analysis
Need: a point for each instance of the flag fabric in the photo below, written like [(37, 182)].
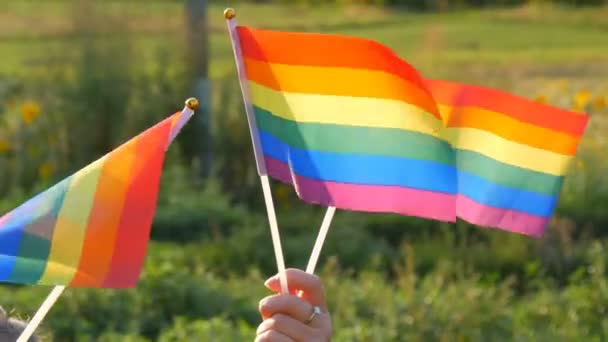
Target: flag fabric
[(511, 154), (352, 125), (92, 228)]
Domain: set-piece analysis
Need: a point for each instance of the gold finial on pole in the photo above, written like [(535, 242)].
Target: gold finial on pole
[(229, 13), (192, 103)]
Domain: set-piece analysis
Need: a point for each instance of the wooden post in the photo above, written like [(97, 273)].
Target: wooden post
[(198, 58)]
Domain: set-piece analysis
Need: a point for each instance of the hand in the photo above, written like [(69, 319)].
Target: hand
[(285, 315)]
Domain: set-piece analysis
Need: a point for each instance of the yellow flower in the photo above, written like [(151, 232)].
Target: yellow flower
[(29, 112), (582, 98), (541, 99), (599, 103), (46, 170), (5, 146)]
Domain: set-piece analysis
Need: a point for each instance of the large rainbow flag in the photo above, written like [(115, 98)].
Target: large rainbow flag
[(351, 125), (92, 228)]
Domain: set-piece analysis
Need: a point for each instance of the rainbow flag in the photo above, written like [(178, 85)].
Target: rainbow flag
[(92, 228), (352, 125)]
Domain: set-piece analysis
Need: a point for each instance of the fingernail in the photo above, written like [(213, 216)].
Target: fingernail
[(270, 280)]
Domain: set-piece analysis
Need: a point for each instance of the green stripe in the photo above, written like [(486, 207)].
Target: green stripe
[(35, 244), (355, 139), (507, 175), (31, 262), (401, 143)]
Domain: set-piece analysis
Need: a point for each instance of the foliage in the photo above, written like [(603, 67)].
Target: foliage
[(431, 5), (388, 277), (180, 297), (214, 329)]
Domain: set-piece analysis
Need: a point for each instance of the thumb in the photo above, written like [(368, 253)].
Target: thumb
[(274, 284)]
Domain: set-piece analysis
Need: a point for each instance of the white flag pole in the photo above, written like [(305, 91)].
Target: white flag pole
[(191, 105), (42, 311), (316, 251), (230, 15)]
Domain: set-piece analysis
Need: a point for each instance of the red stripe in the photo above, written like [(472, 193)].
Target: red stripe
[(314, 49), (326, 50), (456, 94), (140, 205)]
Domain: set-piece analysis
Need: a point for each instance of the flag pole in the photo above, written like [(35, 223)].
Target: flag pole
[(316, 250), (41, 313), (230, 16), (190, 106)]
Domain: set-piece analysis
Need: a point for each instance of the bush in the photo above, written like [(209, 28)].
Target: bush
[(215, 329), (179, 298)]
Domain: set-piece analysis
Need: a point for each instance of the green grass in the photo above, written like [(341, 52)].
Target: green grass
[(456, 45), (389, 278)]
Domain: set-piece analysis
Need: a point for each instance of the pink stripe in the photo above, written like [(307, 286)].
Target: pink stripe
[(510, 220), (368, 198), (406, 201), (4, 218)]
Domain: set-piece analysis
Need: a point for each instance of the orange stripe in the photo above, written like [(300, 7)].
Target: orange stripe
[(338, 81), (509, 128), (461, 95), (140, 203), (323, 50), (98, 246), (174, 119)]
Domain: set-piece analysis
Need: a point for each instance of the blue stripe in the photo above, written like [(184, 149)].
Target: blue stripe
[(32, 258), (11, 232), (485, 192), (7, 262), (361, 168), (399, 171)]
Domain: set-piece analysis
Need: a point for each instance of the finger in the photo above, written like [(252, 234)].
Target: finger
[(289, 305), (274, 284), (287, 326), (273, 336), (310, 284)]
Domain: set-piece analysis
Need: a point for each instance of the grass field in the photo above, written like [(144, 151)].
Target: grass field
[(389, 278), (493, 46)]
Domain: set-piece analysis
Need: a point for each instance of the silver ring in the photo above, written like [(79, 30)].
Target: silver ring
[(315, 311)]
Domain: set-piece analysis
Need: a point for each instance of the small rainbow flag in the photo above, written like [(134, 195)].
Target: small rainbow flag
[(351, 125), (92, 228)]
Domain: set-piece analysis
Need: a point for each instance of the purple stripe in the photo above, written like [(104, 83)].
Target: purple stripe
[(184, 116), (510, 220), (4, 219), (367, 198), (405, 201)]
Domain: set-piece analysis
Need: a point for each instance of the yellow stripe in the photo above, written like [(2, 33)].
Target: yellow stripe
[(384, 113), (344, 110), (71, 225), (507, 151), (339, 82), (510, 128)]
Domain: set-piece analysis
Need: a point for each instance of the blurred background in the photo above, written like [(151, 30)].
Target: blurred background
[(78, 78)]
